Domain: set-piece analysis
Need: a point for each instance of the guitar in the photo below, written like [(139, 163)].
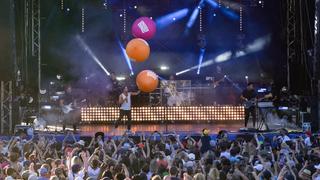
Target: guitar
[(66, 109), (217, 83), (253, 102)]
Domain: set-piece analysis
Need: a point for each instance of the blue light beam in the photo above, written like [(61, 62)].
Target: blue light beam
[(126, 57), (87, 49), (168, 19), (194, 15), (202, 52)]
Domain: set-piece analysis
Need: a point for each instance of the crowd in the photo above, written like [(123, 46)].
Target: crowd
[(161, 156)]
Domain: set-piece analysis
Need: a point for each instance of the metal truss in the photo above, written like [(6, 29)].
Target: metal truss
[(36, 36), (6, 108), (291, 36)]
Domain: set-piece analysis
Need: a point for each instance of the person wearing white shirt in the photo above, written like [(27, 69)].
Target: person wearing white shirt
[(125, 106)]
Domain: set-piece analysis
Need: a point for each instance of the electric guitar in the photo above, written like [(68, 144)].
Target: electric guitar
[(253, 102), (217, 83), (66, 109)]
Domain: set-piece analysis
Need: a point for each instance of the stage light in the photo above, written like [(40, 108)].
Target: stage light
[(246, 77), (124, 53), (120, 15), (59, 76), (68, 9), (135, 7), (202, 52), (164, 68), (166, 20), (214, 14), (121, 78), (86, 48)]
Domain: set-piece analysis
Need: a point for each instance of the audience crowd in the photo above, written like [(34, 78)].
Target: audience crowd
[(159, 156)]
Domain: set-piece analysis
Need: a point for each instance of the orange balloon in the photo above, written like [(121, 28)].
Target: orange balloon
[(138, 50), (147, 81)]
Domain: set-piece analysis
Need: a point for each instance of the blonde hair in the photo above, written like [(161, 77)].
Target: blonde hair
[(199, 176), (157, 177), (214, 174)]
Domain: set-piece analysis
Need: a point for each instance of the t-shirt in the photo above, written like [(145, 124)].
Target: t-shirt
[(72, 176), (205, 143), (225, 154), (67, 98), (126, 105), (249, 94)]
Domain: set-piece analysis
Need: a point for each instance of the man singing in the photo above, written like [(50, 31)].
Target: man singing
[(249, 97), (125, 106)]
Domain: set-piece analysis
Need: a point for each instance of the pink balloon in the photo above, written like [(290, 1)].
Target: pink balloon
[(144, 28)]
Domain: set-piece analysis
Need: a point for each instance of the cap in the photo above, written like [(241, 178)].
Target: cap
[(81, 142), (43, 171), (258, 167), (191, 156)]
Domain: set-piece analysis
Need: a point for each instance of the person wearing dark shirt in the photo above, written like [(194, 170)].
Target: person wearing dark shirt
[(205, 141), (115, 89), (248, 96), (68, 101), (218, 83)]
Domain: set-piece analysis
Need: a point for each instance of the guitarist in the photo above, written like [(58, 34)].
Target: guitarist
[(218, 83), (249, 97), (66, 100)]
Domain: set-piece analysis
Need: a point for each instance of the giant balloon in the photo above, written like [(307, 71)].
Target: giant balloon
[(147, 81), (138, 50), (144, 28)]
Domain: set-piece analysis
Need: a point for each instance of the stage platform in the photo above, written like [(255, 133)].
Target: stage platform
[(161, 127)]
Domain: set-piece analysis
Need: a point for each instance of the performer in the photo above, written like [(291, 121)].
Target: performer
[(249, 97), (218, 91), (125, 106), (115, 89), (67, 104)]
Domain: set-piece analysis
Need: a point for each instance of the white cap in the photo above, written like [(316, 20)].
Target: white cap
[(192, 157), (81, 142), (258, 167)]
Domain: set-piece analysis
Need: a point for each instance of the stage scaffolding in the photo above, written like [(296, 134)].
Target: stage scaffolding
[(6, 123)]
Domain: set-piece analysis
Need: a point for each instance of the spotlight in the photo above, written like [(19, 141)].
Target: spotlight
[(214, 14), (121, 15), (68, 9), (120, 78), (135, 7), (174, 18), (59, 76), (163, 68), (246, 77)]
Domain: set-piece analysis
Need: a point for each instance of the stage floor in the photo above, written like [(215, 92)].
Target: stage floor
[(148, 128)]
